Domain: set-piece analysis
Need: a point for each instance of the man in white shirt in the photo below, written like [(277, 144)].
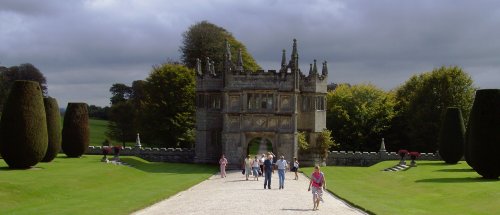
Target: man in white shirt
[(281, 164)]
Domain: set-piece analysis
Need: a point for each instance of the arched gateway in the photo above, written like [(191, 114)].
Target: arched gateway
[(234, 106)]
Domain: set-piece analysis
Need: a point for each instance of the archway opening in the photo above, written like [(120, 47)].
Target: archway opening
[(258, 146)]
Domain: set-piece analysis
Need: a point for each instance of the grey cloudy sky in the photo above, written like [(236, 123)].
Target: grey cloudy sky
[(83, 47)]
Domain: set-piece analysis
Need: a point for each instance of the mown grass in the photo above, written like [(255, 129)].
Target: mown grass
[(430, 188), (98, 130), (87, 186)]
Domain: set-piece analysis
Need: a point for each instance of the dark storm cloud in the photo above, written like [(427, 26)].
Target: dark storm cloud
[(83, 47)]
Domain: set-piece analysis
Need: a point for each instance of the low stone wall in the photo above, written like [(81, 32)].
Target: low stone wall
[(343, 158), (335, 158), (174, 155)]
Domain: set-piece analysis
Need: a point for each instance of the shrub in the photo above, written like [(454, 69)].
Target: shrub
[(23, 127), (483, 136), (75, 133), (53, 128), (451, 136)]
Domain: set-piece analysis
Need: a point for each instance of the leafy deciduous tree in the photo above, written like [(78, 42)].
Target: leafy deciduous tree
[(422, 101), (168, 111), (358, 115)]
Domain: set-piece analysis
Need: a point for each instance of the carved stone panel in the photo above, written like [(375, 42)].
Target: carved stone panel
[(260, 122), (285, 102), (234, 122), (234, 103), (273, 122), (285, 122), (247, 122)]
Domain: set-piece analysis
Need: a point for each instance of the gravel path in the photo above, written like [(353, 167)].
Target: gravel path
[(235, 195)]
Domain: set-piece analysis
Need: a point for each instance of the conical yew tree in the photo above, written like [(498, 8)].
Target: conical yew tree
[(451, 136), (483, 136), (75, 133), (23, 128), (53, 128)]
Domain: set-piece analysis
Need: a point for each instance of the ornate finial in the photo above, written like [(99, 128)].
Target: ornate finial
[(212, 68), (198, 66), (294, 61), (283, 59), (228, 51), (239, 64), (315, 69), (382, 146), (207, 65), (138, 141), (310, 68), (324, 72), (294, 50)]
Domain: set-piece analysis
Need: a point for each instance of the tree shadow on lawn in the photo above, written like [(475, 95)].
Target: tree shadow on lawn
[(6, 168), (436, 164), (457, 180), (456, 170), (179, 168)]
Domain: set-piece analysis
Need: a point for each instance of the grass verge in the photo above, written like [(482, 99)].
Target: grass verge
[(87, 186), (430, 188)]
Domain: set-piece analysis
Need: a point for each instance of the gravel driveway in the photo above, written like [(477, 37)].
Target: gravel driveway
[(235, 195)]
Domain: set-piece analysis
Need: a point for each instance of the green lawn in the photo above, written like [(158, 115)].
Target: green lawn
[(87, 186), (98, 130), (431, 188)]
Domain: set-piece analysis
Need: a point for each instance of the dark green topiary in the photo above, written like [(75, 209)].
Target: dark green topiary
[(75, 133), (451, 136), (23, 128), (53, 128), (483, 136)]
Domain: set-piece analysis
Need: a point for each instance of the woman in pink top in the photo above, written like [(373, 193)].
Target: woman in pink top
[(318, 185), (223, 163)]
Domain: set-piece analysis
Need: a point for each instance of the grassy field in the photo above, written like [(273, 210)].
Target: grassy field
[(87, 186), (431, 188), (98, 130)]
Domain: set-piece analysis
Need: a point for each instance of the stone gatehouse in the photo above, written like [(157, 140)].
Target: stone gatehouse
[(235, 106)]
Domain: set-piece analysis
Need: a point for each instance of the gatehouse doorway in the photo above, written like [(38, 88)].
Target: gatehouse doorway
[(258, 146)]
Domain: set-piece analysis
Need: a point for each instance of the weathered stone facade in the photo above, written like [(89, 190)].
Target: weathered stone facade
[(235, 106)]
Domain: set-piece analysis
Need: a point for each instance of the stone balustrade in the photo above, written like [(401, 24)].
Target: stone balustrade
[(175, 155), (335, 158)]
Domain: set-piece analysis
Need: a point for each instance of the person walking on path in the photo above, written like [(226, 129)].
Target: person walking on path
[(255, 168), (261, 163), (268, 169), (223, 163), (281, 164), (295, 168), (317, 184), (248, 166)]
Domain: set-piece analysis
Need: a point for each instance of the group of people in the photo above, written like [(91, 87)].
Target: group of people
[(265, 167)]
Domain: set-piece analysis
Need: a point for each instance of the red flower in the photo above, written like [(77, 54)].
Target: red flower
[(117, 149), (106, 150), (414, 154), (403, 152)]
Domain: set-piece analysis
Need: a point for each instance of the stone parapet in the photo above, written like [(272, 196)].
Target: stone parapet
[(174, 155), (351, 158)]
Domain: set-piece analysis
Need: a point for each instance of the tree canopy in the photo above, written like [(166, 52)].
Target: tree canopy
[(25, 71), (205, 39), (168, 110), (422, 102), (358, 115)]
